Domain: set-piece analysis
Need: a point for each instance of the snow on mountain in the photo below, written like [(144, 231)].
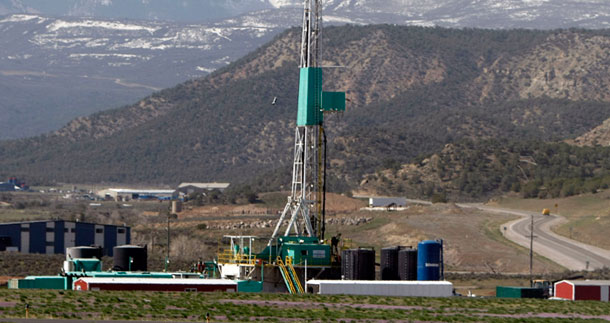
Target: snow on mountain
[(47, 55), (543, 14), (284, 3), (55, 69)]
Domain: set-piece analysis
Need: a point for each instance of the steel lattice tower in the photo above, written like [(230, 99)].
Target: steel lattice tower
[(305, 206)]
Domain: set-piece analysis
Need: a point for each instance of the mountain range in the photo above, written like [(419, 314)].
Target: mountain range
[(411, 91), (56, 65), (53, 70), (545, 14)]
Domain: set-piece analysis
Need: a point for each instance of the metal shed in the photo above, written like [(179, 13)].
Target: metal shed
[(598, 290)]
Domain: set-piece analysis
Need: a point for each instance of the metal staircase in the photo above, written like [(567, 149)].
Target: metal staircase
[(290, 276)]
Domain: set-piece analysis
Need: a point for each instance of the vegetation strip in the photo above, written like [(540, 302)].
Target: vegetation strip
[(283, 307)]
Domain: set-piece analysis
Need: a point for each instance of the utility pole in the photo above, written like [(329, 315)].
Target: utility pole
[(532, 250), (169, 217), (167, 256)]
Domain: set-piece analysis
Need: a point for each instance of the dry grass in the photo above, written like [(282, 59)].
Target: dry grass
[(588, 215)]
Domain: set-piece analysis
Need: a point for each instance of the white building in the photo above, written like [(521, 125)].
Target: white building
[(387, 202), (188, 188), (126, 194)]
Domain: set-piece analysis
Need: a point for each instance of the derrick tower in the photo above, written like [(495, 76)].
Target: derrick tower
[(304, 209)]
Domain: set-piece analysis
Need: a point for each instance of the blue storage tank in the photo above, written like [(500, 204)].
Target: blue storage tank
[(430, 260)]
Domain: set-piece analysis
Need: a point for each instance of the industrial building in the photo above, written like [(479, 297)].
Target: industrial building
[(127, 194), (189, 188), (53, 237), (387, 202), (13, 184), (596, 290), (7, 187)]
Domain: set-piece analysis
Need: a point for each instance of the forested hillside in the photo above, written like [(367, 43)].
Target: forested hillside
[(474, 169), (411, 91)]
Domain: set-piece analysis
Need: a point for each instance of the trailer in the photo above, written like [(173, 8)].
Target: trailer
[(160, 284), (381, 288)]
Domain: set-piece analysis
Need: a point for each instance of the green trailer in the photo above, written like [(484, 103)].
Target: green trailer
[(249, 286), (519, 292), (43, 282)]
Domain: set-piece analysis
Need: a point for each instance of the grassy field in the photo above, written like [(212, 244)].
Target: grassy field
[(240, 307), (588, 215)]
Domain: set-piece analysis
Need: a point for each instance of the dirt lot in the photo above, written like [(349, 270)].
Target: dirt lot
[(472, 239)]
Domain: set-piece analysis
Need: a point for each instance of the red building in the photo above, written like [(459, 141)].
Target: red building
[(597, 290), (157, 284)]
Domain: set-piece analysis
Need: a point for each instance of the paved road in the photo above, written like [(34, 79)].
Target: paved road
[(569, 253)]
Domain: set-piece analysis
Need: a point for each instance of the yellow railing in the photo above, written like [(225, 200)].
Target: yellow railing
[(286, 276), (227, 256), (294, 276)]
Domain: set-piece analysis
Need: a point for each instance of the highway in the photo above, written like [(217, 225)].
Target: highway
[(571, 254)]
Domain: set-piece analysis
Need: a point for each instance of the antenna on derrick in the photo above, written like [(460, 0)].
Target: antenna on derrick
[(305, 208)]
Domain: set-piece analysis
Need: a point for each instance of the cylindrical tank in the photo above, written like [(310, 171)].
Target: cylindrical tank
[(407, 264), (358, 264), (389, 263), (129, 257), (84, 252), (429, 260)]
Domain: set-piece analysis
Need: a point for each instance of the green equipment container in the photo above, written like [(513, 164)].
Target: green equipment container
[(315, 254), (43, 282), (519, 292), (211, 269), (87, 264), (249, 286), (300, 249)]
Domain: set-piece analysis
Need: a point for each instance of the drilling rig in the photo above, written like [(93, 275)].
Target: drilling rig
[(305, 209), (299, 246)]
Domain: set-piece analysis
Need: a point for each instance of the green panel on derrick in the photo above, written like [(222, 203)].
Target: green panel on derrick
[(333, 101), (310, 97)]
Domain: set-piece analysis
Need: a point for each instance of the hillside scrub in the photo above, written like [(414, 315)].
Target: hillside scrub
[(478, 169), (411, 91)]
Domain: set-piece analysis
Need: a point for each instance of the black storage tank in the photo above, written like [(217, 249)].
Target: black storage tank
[(358, 264), (407, 264), (84, 252), (130, 258), (389, 263)]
